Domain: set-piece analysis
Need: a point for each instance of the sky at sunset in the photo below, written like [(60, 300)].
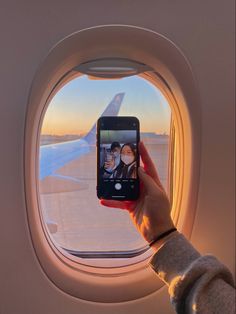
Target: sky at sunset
[(77, 106)]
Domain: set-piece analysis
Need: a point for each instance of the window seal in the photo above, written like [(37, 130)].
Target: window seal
[(108, 255)]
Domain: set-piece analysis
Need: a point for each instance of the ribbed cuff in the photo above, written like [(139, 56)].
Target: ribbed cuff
[(173, 258)]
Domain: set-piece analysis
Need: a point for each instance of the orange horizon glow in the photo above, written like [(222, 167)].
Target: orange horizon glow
[(76, 107), (64, 126), (53, 132)]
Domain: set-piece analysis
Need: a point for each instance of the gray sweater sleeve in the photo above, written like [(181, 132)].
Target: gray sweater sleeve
[(197, 284)]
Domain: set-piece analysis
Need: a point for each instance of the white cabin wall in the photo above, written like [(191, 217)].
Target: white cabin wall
[(29, 29)]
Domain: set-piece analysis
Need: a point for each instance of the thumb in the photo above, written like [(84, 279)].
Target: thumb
[(148, 182)]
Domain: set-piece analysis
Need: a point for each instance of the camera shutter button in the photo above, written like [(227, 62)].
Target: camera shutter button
[(118, 186)]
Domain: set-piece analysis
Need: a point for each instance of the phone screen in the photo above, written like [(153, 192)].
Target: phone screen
[(118, 158)]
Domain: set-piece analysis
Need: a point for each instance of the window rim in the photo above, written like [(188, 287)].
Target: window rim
[(158, 52)]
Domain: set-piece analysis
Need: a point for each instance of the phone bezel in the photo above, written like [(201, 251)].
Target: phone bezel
[(118, 123)]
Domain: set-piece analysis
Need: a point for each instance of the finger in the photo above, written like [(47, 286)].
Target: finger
[(147, 161), (113, 204), (149, 183), (148, 164)]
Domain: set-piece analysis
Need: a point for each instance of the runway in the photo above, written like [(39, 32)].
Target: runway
[(84, 224)]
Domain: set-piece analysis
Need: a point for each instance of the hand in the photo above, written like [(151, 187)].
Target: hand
[(109, 165), (151, 212)]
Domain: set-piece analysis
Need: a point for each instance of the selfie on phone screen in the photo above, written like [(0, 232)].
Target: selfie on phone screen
[(118, 157)]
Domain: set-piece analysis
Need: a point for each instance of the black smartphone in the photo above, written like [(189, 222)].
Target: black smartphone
[(118, 158)]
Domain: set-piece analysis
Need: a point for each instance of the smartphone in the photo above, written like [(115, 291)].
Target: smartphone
[(118, 158)]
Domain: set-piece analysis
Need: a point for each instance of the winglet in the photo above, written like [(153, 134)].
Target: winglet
[(111, 110), (114, 106)]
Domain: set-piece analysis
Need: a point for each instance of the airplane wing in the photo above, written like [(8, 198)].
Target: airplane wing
[(55, 156)]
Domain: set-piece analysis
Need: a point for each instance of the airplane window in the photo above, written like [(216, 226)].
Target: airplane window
[(75, 220)]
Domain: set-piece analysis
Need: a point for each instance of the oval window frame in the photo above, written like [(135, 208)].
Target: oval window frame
[(156, 51), (135, 256)]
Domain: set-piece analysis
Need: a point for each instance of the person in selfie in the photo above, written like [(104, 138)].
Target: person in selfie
[(197, 284), (127, 168), (114, 160)]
